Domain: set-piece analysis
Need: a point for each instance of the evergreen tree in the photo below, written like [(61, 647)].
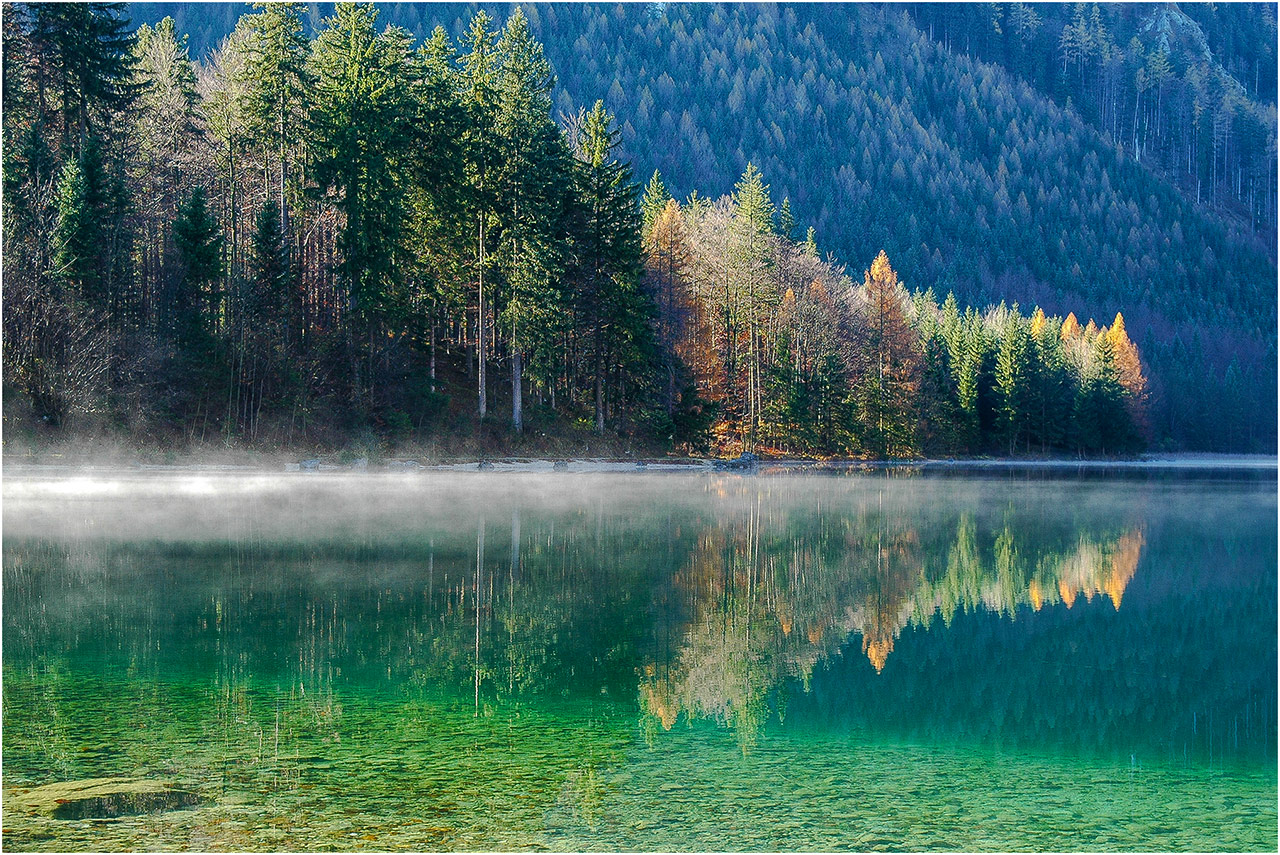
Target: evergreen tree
[(810, 245), (608, 300), (482, 158), (1050, 403), (532, 174), (654, 202), (85, 52), (360, 137), (1011, 383), (77, 237), (748, 298), (276, 79), (268, 308), (786, 220), (199, 244)]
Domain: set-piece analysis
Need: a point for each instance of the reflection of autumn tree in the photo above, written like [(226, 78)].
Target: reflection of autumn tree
[(771, 593)]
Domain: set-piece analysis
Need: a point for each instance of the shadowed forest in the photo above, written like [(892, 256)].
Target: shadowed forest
[(508, 229)]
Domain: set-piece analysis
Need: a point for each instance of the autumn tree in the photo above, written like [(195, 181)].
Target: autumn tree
[(885, 363)]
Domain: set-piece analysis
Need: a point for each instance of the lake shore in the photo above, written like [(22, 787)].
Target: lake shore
[(116, 458)]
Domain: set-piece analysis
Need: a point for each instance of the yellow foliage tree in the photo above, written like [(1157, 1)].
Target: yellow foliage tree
[(1070, 327), (1129, 370)]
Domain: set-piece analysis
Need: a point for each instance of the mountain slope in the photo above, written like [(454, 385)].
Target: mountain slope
[(970, 179)]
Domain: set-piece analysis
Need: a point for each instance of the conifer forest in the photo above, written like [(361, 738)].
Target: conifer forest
[(808, 230)]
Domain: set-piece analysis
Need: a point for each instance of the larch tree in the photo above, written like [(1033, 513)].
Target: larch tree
[(668, 258), (167, 135), (886, 364), (1129, 372)]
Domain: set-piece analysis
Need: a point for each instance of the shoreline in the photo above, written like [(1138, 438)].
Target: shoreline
[(286, 464)]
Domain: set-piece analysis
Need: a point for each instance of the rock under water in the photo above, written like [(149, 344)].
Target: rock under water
[(99, 798)]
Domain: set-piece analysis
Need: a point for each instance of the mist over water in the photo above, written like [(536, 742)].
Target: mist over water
[(608, 661)]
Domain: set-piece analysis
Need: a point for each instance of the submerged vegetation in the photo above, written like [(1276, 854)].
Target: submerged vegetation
[(359, 237)]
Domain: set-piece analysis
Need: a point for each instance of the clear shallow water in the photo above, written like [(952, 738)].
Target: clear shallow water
[(663, 662)]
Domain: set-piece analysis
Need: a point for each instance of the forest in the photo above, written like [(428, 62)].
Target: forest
[(328, 231)]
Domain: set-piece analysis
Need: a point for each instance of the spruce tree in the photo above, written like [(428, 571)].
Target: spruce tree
[(360, 137), (653, 202), (749, 298), (786, 220), (199, 243), (77, 235), (532, 173), (86, 51), (276, 79), (481, 157), (1011, 382), (607, 294)]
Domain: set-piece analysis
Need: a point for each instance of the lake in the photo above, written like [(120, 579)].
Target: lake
[(668, 661)]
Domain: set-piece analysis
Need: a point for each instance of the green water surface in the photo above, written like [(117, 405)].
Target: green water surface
[(652, 662)]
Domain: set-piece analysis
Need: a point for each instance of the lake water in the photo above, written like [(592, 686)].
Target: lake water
[(437, 661)]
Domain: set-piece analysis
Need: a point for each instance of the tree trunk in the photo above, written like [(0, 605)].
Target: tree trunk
[(480, 352), (599, 401), (517, 393)]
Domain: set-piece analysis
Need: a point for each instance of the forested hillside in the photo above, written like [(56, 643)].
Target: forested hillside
[(275, 249), (1116, 156)]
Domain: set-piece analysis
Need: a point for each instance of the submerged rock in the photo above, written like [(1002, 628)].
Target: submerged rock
[(97, 798)]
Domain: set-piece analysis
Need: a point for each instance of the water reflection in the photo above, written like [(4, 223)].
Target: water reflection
[(777, 591), (751, 603)]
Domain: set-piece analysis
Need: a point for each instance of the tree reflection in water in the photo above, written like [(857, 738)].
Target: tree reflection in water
[(772, 593)]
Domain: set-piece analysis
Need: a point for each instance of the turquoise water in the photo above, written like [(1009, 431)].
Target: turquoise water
[(649, 662)]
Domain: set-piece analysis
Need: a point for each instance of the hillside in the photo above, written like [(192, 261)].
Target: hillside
[(972, 176)]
